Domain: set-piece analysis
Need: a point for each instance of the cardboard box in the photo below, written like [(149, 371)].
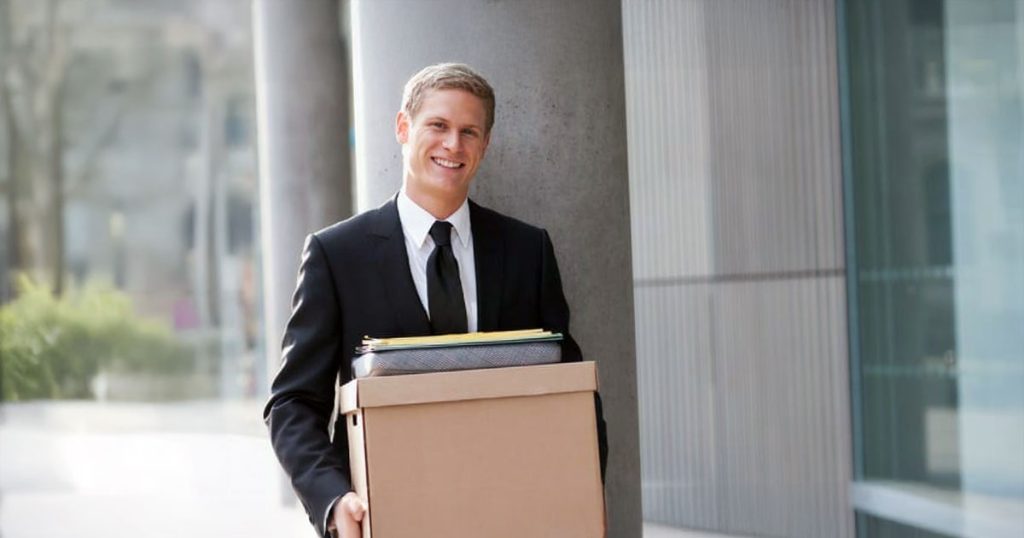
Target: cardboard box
[(508, 452)]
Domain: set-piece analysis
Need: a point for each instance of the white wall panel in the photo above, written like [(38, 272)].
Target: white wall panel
[(738, 265)]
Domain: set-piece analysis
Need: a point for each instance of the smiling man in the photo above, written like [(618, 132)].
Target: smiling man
[(427, 261)]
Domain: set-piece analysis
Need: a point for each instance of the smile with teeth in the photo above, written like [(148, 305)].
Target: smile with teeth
[(446, 163)]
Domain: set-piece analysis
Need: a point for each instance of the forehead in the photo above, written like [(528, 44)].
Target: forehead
[(453, 105)]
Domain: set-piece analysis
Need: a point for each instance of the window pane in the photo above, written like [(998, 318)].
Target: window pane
[(936, 94)]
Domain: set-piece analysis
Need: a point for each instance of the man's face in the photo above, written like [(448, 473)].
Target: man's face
[(442, 147)]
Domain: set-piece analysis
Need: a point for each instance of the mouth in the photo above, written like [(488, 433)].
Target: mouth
[(445, 163)]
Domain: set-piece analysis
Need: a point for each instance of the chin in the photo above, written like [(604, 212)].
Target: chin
[(450, 185)]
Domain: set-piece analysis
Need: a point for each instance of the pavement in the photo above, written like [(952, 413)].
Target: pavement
[(150, 470), (653, 530), (91, 470)]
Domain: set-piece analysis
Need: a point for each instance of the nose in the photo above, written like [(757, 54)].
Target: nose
[(452, 141)]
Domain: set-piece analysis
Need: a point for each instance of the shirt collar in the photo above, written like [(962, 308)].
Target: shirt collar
[(416, 221)]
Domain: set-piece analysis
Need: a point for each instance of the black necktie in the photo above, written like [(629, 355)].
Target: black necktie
[(444, 288)]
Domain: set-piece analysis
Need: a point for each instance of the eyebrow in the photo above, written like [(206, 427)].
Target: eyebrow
[(446, 120)]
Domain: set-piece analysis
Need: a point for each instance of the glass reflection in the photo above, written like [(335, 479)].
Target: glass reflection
[(937, 100)]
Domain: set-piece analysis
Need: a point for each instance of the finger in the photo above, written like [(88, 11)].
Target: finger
[(350, 529), (355, 507)]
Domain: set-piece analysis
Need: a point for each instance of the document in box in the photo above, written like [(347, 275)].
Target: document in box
[(421, 354)]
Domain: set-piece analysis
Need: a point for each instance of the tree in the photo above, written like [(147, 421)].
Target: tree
[(37, 55), (34, 63)]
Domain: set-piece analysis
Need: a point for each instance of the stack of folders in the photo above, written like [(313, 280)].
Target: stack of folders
[(443, 353)]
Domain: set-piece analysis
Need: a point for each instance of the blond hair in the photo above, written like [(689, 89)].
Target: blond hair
[(448, 76)]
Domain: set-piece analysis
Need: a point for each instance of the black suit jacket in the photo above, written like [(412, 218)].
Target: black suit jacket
[(354, 281)]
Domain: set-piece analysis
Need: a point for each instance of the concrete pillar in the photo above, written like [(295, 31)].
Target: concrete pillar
[(557, 159), (302, 110)]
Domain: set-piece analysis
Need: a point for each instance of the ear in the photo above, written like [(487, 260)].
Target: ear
[(487, 142), (401, 127)]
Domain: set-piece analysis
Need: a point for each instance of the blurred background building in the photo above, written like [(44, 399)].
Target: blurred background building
[(825, 210)]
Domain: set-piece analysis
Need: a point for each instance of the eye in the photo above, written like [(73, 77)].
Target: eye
[(437, 125), (469, 132)]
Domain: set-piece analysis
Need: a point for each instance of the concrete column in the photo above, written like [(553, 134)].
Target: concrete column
[(302, 110), (557, 159)]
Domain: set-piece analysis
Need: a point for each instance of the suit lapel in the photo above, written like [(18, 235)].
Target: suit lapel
[(489, 257), (393, 266)]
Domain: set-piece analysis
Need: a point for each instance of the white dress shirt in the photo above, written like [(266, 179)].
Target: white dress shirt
[(416, 223)]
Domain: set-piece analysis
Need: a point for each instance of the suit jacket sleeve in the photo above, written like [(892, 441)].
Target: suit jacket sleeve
[(302, 398), (554, 308), (555, 317)]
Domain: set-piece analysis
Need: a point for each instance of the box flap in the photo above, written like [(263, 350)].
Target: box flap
[(467, 385)]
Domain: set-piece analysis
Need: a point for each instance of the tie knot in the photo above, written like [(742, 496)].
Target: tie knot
[(441, 233)]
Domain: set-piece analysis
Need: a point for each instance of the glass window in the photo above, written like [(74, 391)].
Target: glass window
[(935, 170)]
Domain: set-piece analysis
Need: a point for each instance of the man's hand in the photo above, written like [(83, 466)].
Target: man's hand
[(347, 515)]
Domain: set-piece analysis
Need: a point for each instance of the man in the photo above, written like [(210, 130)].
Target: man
[(428, 261)]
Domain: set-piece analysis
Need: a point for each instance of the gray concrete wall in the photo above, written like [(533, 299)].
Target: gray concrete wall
[(738, 265), (557, 159)]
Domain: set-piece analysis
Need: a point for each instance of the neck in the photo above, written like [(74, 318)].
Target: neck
[(440, 209)]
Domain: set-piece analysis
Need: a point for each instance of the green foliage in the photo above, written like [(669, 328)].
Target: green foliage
[(52, 347)]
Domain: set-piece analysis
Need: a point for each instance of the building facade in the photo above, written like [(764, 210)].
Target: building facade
[(791, 233), (827, 205)]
